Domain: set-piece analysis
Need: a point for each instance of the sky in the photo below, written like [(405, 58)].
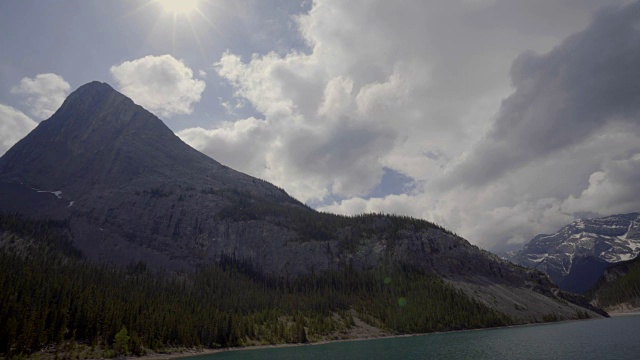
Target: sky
[(498, 119)]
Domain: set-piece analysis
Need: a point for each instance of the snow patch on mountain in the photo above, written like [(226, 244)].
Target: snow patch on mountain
[(58, 193)]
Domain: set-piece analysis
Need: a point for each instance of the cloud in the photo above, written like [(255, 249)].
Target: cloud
[(332, 119), (563, 97), (612, 190), (14, 125), (316, 128), (161, 84), (594, 178), (230, 141), (44, 93)]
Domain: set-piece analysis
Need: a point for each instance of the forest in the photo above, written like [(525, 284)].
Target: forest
[(51, 296), (625, 288)]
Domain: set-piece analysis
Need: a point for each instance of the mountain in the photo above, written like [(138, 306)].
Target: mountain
[(130, 190), (577, 255), (118, 172)]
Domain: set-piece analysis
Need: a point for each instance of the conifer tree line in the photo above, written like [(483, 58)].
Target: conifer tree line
[(624, 289), (50, 295), (308, 223)]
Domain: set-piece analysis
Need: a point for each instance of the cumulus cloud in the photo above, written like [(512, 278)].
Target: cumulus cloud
[(563, 97), (163, 84), (597, 177), (330, 120), (14, 125), (612, 190), (230, 142), (321, 132), (44, 93)]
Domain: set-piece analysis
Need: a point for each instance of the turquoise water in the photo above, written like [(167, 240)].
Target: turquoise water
[(615, 338)]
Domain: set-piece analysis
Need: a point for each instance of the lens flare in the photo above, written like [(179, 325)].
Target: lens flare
[(402, 302)]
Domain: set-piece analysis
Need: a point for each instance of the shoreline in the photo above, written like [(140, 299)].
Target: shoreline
[(624, 309), (203, 352), (206, 351), (635, 312)]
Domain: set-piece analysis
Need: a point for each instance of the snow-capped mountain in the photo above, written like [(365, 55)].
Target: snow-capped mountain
[(576, 256)]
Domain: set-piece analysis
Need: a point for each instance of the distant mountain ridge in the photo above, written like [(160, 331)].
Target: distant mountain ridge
[(131, 190), (577, 255)]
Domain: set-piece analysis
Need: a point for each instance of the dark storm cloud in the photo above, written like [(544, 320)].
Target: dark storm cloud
[(562, 97)]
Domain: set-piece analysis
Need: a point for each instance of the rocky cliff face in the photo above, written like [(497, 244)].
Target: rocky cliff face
[(131, 190), (576, 256)]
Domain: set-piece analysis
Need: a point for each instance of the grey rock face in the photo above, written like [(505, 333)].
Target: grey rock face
[(132, 190), (576, 256)]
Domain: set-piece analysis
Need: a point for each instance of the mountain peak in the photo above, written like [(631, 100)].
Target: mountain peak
[(101, 138), (93, 101), (97, 135), (95, 90), (94, 86)]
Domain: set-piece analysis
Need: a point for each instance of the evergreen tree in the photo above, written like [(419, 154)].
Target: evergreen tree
[(121, 342)]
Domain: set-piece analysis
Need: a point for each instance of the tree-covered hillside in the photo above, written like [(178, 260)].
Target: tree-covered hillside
[(620, 284), (50, 295)]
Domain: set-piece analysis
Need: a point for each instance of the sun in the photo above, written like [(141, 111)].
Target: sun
[(180, 16), (177, 7)]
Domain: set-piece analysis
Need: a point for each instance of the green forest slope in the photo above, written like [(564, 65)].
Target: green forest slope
[(49, 295), (619, 285)]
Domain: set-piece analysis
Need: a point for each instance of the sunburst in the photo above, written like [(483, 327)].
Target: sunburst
[(175, 14), (179, 7)]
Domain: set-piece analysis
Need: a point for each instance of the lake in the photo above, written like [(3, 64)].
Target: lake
[(614, 338)]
